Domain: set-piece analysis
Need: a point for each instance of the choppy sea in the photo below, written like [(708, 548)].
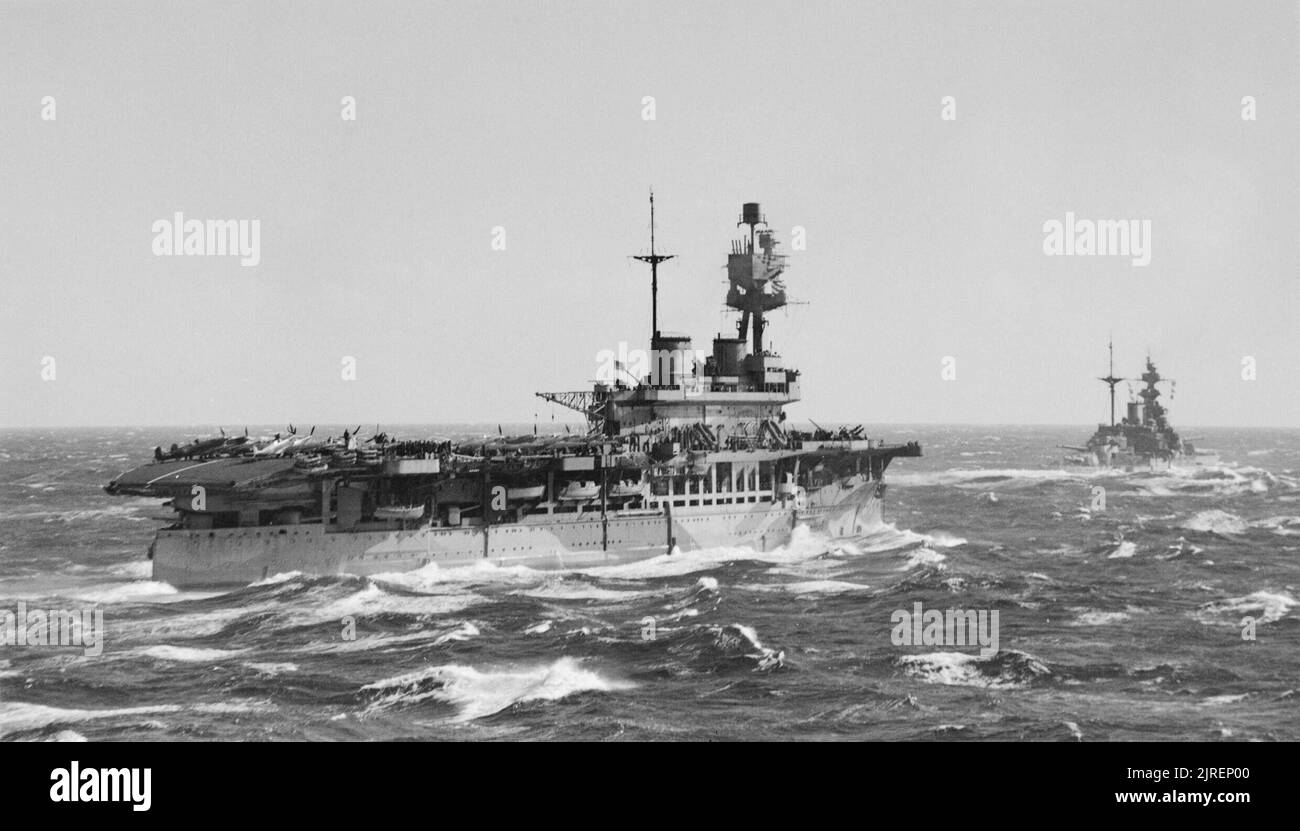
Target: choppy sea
[(1171, 614)]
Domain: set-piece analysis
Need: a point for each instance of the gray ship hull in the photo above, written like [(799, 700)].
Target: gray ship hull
[(1127, 461), (239, 556)]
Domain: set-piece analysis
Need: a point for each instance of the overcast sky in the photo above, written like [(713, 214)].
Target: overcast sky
[(924, 236)]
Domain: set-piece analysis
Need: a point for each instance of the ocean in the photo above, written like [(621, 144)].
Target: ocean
[(1171, 614)]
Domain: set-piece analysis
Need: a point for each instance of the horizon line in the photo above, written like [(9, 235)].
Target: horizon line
[(381, 423)]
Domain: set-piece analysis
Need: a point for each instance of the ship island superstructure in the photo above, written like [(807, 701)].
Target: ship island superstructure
[(692, 454)]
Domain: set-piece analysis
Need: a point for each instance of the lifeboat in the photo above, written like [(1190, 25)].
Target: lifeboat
[(399, 512), (525, 494), (579, 492), (626, 490)]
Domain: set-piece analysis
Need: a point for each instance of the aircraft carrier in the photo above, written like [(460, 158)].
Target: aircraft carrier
[(696, 452)]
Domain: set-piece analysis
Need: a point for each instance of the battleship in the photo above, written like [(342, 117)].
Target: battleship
[(1144, 438), (696, 453)]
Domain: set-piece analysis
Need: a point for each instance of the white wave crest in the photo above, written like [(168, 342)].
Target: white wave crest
[(570, 590), (981, 477), (1097, 618), (1123, 551), (942, 539), (433, 576), (278, 578), (923, 557), (188, 654), (127, 592), (374, 600), (825, 587), (746, 637), (1267, 607), (947, 668), (1216, 481), (463, 632), (479, 693), (1216, 522), (271, 667), (962, 670), (1284, 526), (17, 715), (803, 545), (239, 706), (1224, 699), (134, 570), (366, 644)]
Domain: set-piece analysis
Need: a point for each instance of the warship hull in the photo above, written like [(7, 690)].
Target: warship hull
[(225, 557), (1123, 460), (1138, 463)]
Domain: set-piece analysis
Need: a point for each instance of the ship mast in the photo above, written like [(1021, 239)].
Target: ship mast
[(1111, 381), (654, 260)]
